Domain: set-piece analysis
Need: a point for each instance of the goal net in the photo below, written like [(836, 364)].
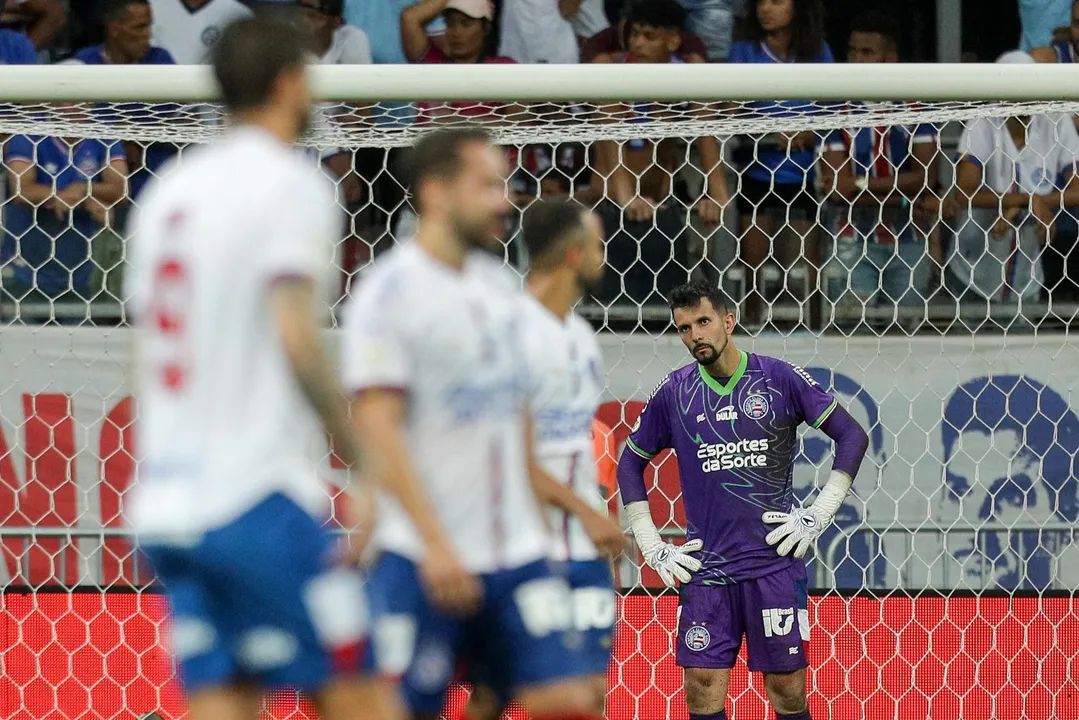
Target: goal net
[(914, 251)]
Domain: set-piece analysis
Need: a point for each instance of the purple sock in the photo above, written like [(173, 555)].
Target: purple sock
[(721, 715), (804, 715)]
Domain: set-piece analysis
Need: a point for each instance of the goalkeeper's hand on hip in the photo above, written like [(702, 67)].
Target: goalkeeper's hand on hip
[(800, 528), (673, 563)]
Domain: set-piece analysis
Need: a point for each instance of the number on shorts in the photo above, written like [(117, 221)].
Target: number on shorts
[(594, 608), (545, 606)]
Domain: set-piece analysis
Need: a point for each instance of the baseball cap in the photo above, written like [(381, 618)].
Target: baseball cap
[(1015, 57), (479, 9)]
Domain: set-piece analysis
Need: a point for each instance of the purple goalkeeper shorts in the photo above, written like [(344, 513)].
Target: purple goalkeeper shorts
[(770, 611)]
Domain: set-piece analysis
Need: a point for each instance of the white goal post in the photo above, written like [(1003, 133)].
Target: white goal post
[(544, 82), (943, 591)]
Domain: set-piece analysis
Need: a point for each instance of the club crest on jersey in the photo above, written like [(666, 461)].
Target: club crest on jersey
[(727, 414), (210, 36), (755, 406), (698, 638)]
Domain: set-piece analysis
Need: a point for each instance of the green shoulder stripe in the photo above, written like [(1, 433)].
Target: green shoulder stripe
[(633, 446), (824, 415)]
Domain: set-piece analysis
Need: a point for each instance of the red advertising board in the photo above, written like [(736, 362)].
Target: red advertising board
[(90, 655)]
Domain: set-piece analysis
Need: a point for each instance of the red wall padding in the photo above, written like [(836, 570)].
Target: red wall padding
[(90, 655)]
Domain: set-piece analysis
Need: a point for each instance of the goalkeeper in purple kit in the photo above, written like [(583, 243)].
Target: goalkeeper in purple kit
[(732, 418)]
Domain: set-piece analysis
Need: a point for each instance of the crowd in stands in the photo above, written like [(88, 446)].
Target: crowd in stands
[(871, 216)]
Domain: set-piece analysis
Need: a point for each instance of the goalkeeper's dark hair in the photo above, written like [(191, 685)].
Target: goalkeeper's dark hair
[(116, 9), (807, 29), (546, 226), (251, 56), (690, 295), (437, 155), (876, 23), (664, 14)]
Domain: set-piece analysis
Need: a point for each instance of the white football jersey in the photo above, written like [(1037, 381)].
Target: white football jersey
[(450, 341), (350, 46), (566, 369), (1051, 150), (222, 423), (188, 34)]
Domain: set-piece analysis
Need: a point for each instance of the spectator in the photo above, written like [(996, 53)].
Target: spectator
[(16, 48), (876, 176), (539, 31), (651, 252), (333, 42), (468, 40), (551, 172), (189, 29), (1062, 267), (127, 42), (1038, 19), (1062, 51), (63, 191), (468, 32), (1013, 176), (613, 42), (127, 37), (713, 22), (40, 20), (381, 21), (777, 177), (589, 19)]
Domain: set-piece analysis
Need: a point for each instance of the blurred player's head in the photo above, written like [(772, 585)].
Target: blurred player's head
[(655, 30), (872, 40), (458, 177), (562, 236), (703, 318), (127, 29), (260, 67)]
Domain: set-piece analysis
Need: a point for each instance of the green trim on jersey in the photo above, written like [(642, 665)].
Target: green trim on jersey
[(633, 446), (719, 388), (824, 415)]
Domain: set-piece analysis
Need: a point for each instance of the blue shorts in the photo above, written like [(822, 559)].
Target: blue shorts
[(521, 630), (260, 600), (589, 641), (595, 609)]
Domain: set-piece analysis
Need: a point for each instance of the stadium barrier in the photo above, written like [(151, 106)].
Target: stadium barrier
[(86, 655), (954, 493)]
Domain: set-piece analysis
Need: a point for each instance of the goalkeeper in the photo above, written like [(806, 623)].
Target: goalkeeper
[(732, 418)]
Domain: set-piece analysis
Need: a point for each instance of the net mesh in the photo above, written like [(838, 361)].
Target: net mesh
[(943, 590)]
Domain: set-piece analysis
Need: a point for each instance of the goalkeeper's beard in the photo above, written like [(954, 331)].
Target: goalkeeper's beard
[(711, 354)]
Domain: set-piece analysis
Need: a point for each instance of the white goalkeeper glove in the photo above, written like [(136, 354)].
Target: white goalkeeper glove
[(672, 562), (801, 527)]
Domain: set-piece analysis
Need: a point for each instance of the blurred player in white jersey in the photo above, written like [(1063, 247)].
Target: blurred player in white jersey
[(228, 255), (566, 253), (434, 352)]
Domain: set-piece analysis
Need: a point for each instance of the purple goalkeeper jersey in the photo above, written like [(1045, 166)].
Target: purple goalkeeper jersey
[(736, 443)]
